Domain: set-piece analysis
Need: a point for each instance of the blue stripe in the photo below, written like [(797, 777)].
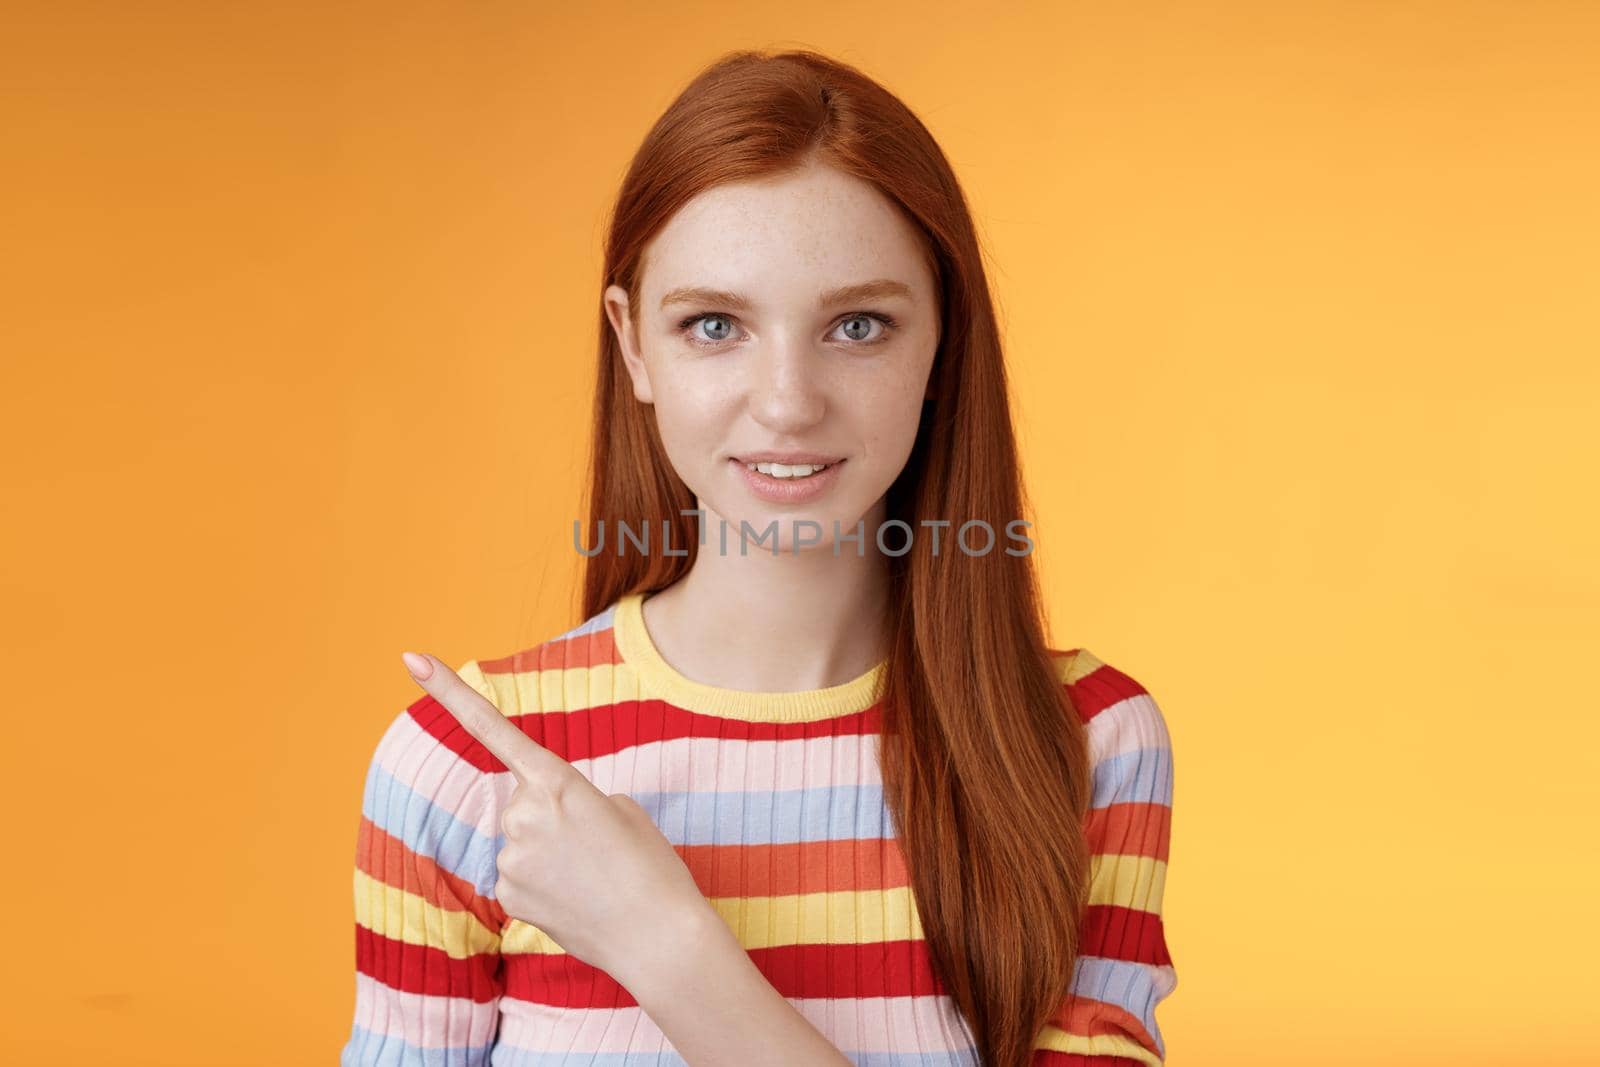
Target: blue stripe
[(594, 624), (1141, 776), (769, 817), (1128, 985), (429, 830), (368, 1049)]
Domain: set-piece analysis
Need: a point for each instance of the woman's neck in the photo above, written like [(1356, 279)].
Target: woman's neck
[(773, 623)]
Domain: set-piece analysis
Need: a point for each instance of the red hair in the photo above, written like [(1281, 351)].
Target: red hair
[(984, 761)]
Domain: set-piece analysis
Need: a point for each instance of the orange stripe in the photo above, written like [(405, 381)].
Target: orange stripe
[(386, 858), (1089, 1017), (772, 870), (585, 650), (1134, 828)]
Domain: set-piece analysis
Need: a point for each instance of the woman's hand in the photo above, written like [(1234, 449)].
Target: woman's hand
[(591, 870)]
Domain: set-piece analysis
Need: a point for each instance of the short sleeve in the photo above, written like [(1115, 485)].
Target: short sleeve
[(427, 933), (1123, 970)]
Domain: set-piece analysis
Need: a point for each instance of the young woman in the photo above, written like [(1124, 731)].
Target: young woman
[(807, 784)]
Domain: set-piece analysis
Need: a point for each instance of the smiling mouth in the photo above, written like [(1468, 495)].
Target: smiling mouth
[(787, 470)]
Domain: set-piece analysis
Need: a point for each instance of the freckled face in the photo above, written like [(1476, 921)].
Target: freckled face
[(758, 348)]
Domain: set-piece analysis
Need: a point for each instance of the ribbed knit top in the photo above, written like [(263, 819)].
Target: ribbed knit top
[(775, 802)]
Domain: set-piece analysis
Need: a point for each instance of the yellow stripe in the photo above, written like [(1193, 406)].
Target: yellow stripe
[(1070, 668), (404, 916), (844, 918), (872, 915), (1127, 880), (560, 688), (471, 672), (534, 691), (1059, 1040), (583, 688)]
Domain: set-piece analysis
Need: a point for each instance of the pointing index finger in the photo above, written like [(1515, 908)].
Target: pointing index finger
[(523, 756)]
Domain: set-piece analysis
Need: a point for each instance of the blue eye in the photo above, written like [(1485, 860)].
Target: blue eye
[(868, 319), (687, 327), (710, 317)]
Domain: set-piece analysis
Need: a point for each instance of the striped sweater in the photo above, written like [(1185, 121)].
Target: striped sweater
[(775, 803)]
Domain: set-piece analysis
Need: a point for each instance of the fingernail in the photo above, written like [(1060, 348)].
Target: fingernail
[(419, 666)]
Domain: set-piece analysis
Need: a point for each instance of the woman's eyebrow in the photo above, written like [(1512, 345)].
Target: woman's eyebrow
[(876, 289)]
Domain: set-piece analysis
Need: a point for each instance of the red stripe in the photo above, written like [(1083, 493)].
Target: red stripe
[(874, 969), (562, 981), (1101, 688), (1120, 933), (610, 728), (869, 969), (427, 970)]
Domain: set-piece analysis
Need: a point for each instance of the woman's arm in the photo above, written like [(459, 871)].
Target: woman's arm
[(1123, 971), (427, 946), (703, 990), (631, 908)]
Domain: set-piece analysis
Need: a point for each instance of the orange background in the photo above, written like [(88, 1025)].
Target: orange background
[(1300, 302)]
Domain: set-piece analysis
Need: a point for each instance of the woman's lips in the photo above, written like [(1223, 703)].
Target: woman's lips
[(789, 490)]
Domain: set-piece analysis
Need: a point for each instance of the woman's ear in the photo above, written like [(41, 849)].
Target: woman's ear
[(616, 304)]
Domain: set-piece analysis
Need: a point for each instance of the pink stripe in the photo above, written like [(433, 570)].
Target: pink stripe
[(888, 1024), (1126, 726), (416, 759), (867, 1024), (422, 1020), (721, 765)]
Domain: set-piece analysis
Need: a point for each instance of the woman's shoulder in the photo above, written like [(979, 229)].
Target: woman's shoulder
[(1109, 700), (537, 677)]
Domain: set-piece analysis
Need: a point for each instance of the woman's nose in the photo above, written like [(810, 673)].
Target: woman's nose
[(787, 390)]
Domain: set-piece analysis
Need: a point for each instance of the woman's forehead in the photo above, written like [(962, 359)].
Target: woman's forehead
[(801, 234)]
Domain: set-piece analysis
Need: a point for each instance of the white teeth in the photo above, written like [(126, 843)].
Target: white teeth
[(783, 470)]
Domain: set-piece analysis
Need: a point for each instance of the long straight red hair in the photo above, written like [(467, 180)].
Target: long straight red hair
[(984, 761)]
